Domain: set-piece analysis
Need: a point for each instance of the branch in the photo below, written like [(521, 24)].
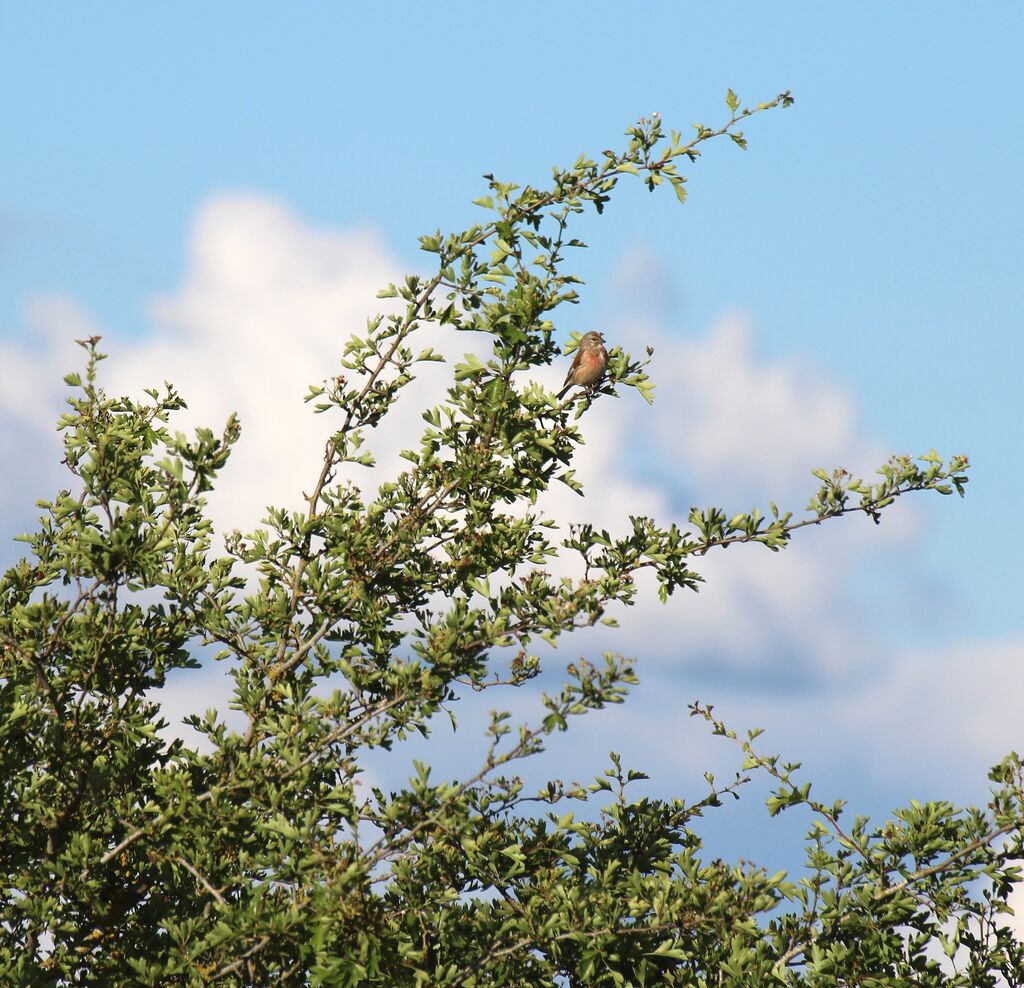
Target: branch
[(191, 868), (952, 859)]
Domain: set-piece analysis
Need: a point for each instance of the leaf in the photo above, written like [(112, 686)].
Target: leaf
[(471, 367)]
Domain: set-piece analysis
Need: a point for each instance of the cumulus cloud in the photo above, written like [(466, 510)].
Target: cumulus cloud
[(1016, 922), (732, 429), (264, 309), (31, 401), (747, 425), (936, 716), (263, 313)]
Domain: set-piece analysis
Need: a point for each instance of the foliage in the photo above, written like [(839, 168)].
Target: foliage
[(257, 859)]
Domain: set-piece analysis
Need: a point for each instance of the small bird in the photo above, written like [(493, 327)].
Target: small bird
[(589, 364)]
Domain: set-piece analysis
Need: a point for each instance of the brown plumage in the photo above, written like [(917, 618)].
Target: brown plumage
[(589, 364)]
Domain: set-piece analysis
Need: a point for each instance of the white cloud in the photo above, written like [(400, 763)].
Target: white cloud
[(750, 426), (1016, 921), (943, 710), (933, 716), (194, 692), (729, 428), (265, 307)]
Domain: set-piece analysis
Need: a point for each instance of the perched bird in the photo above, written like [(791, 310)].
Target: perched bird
[(589, 364)]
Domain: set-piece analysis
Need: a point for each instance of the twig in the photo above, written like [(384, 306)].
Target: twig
[(193, 870)]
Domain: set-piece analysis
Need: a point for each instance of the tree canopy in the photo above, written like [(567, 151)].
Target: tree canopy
[(257, 858)]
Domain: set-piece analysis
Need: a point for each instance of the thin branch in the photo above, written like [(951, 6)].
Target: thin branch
[(201, 878), (952, 859), (280, 668), (241, 959)]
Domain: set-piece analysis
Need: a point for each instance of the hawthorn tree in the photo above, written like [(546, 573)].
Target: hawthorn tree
[(256, 858)]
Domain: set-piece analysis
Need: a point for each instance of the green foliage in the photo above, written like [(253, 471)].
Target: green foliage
[(351, 625)]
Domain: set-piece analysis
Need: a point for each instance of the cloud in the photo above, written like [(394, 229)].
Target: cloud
[(936, 716), (1016, 921), (732, 429), (745, 425), (643, 283), (946, 709), (193, 692), (265, 306), (31, 399)]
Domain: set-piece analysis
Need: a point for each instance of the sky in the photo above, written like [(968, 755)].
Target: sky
[(219, 190)]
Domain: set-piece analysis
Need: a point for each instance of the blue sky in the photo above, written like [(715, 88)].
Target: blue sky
[(870, 236)]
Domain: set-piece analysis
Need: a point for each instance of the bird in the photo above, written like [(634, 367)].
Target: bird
[(589, 364)]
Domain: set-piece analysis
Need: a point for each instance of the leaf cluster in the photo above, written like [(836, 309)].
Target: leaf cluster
[(261, 856)]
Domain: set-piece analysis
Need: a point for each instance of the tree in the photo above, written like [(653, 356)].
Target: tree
[(130, 859)]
